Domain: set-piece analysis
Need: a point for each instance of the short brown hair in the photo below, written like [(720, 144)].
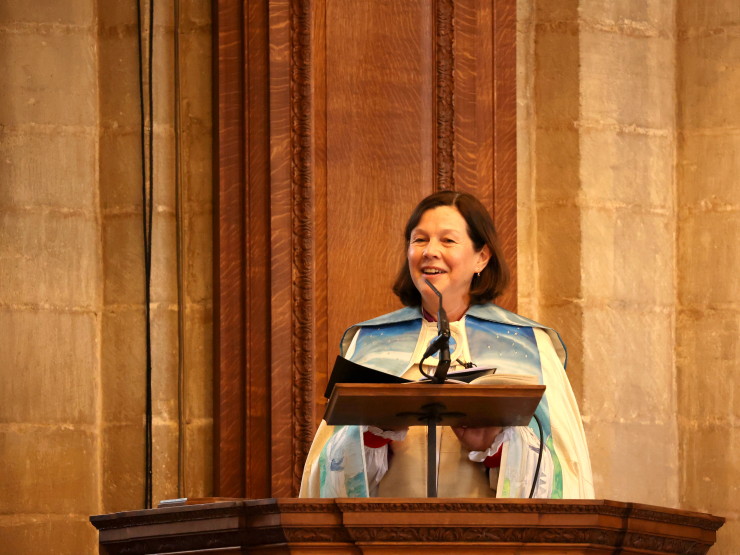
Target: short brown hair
[(494, 277)]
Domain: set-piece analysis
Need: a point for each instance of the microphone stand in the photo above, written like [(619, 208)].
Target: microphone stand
[(433, 415), (440, 344)]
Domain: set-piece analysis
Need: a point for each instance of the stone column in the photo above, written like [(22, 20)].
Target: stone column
[(627, 138), (708, 329), (123, 339), (50, 277), (598, 206)]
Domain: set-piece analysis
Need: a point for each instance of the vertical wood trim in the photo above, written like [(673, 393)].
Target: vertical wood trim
[(281, 259), (303, 237), (504, 140), (247, 240), (321, 360), (484, 102), (229, 260), (257, 246), (444, 37)]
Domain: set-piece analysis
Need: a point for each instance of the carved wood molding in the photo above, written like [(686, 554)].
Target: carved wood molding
[(662, 544), (303, 234), (487, 534), (322, 534), (648, 543), (594, 536), (625, 510), (308, 508), (232, 524), (445, 101), (681, 520), (488, 507)]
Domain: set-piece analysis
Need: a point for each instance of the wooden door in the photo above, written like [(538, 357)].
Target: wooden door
[(333, 119)]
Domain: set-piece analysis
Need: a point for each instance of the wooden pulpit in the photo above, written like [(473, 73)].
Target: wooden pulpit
[(409, 526), (219, 526)]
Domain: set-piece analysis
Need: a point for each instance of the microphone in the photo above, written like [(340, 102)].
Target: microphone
[(440, 343)]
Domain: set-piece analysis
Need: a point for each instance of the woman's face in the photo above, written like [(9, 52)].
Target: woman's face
[(441, 251)]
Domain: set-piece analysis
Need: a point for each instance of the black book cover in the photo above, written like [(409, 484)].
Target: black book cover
[(346, 371)]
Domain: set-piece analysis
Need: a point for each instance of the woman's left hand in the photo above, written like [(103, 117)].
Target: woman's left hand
[(476, 439)]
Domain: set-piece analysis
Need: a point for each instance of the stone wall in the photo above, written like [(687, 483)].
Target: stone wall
[(598, 203), (72, 347), (628, 222), (179, 467), (708, 200), (51, 286)]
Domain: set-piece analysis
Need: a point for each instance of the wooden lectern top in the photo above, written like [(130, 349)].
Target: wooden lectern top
[(400, 405)]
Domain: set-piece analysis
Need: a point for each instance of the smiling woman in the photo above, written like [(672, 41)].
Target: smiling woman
[(451, 241), (453, 229)]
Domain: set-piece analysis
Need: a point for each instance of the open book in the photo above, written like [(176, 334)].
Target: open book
[(346, 371)]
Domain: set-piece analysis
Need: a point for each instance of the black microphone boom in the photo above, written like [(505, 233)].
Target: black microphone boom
[(440, 343)]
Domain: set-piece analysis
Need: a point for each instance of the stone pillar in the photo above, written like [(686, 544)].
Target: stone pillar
[(597, 203), (197, 180), (708, 328), (50, 277), (123, 339), (627, 143)]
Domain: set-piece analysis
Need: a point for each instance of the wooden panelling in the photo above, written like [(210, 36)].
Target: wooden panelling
[(504, 138), (334, 120), (229, 257), (281, 237), (241, 251), (257, 247), (379, 149), (474, 100)]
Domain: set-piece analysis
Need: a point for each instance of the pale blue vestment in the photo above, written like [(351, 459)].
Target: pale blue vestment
[(496, 337)]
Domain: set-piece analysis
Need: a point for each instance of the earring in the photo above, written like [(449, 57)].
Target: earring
[(478, 274)]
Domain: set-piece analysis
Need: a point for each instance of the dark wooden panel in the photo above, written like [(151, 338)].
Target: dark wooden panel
[(504, 146), (258, 469), (474, 100), (229, 257), (379, 116), (282, 256), (241, 251)]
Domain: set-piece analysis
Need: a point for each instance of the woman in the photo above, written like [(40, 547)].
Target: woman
[(451, 241)]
